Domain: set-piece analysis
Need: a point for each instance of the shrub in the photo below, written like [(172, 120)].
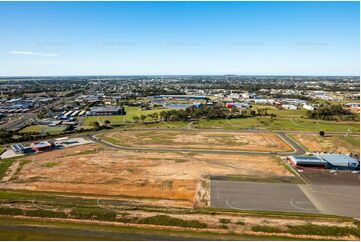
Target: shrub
[(11, 211), (93, 213), (170, 221), (224, 220), (312, 229), (45, 213), (266, 229), (240, 223)]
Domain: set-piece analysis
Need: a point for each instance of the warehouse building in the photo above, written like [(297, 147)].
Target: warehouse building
[(104, 111), (20, 148), (41, 146), (326, 161), (307, 161)]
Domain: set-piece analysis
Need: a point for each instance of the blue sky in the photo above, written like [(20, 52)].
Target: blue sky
[(123, 38)]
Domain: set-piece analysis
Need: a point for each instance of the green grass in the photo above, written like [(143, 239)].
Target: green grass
[(224, 220), (4, 166), (270, 179), (33, 129), (312, 229), (120, 119), (23, 229), (266, 229), (54, 130), (352, 140), (286, 124), (162, 125), (2, 150), (51, 164), (171, 221)]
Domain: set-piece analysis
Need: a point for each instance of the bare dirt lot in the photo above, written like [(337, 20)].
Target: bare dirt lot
[(198, 140), (329, 143), (173, 177)]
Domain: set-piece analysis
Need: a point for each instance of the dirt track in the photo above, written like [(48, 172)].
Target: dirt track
[(198, 140)]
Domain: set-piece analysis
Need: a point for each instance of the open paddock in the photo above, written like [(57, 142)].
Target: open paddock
[(186, 139), (328, 143)]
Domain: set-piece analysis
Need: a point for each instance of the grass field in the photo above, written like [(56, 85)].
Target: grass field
[(46, 216), (120, 119), (286, 124), (329, 143), (37, 229), (54, 130), (33, 129)]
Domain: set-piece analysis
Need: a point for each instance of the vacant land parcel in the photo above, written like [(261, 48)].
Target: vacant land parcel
[(329, 143), (173, 178), (198, 140)]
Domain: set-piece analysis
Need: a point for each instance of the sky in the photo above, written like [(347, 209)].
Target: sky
[(179, 38)]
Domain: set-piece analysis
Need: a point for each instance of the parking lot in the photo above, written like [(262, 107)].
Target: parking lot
[(336, 193), (327, 177), (260, 196)]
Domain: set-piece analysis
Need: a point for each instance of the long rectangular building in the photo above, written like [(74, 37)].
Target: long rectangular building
[(326, 161), (103, 111)]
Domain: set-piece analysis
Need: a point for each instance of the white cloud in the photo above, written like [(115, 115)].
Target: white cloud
[(16, 52)]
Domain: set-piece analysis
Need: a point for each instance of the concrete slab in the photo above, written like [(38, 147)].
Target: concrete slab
[(337, 200), (260, 196), (9, 154)]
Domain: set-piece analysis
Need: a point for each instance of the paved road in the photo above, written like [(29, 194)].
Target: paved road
[(298, 149)]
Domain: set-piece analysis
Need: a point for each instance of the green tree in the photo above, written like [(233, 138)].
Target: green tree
[(96, 125)]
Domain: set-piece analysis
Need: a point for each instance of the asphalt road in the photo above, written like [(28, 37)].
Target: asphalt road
[(260, 196)]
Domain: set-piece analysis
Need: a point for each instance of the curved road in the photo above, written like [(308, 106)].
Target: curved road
[(298, 150)]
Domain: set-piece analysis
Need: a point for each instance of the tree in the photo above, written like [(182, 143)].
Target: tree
[(96, 125), (143, 117), (322, 133), (136, 119)]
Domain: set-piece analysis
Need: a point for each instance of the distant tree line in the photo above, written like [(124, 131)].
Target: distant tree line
[(331, 112), (204, 112)]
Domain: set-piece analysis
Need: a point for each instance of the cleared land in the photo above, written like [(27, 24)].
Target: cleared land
[(173, 177), (329, 143), (197, 140)]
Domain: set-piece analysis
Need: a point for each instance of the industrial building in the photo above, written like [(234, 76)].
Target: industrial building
[(41, 146), (237, 105), (103, 111), (20, 148), (289, 106), (179, 97), (326, 161)]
